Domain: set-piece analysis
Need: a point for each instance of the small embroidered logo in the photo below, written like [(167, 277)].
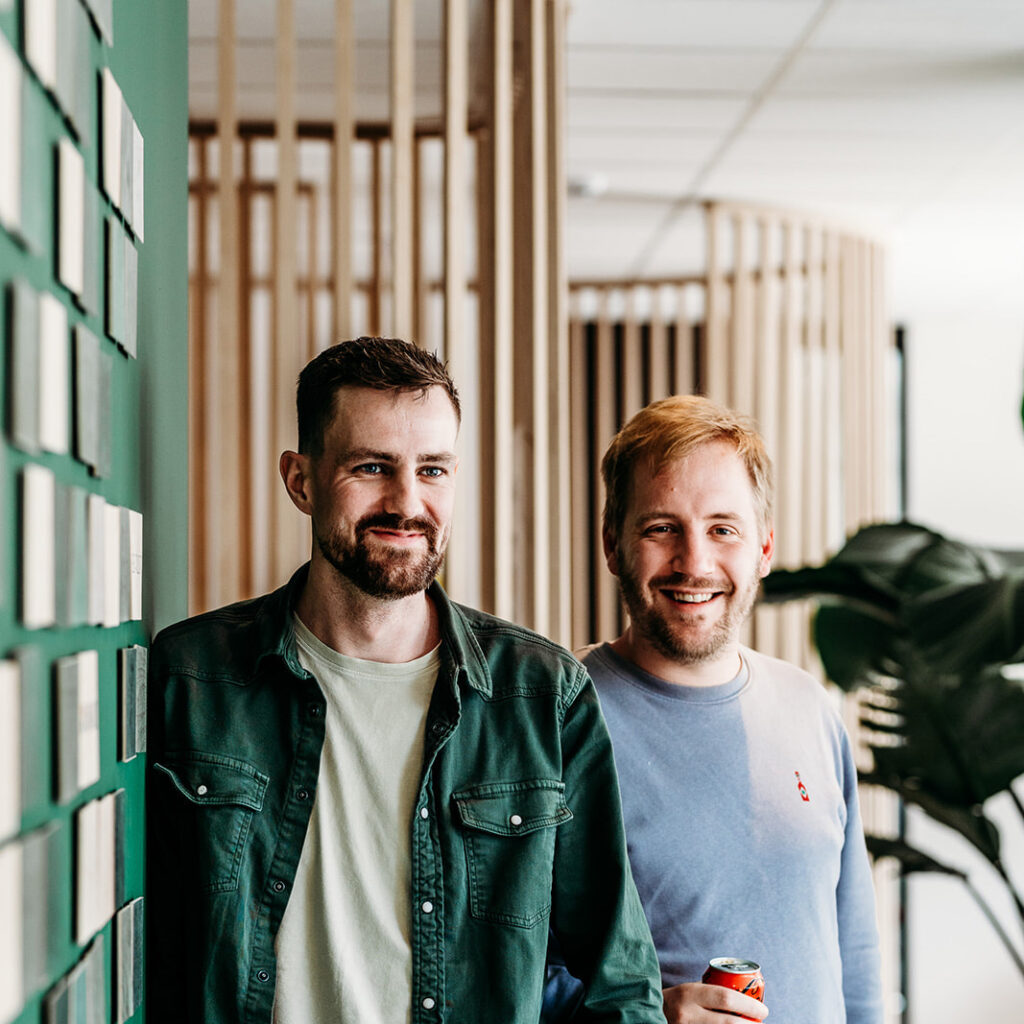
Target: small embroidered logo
[(804, 795)]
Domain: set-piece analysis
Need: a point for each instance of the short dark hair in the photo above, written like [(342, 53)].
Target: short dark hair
[(385, 364)]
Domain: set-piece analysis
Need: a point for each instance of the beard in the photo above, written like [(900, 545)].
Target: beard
[(682, 643), (388, 575)]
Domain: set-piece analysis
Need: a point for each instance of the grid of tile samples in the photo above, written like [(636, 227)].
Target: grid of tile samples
[(72, 645)]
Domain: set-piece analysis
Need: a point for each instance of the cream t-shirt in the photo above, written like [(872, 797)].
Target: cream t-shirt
[(343, 949)]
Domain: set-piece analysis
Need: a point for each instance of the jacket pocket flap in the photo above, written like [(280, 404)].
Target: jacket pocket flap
[(213, 780), (513, 808)]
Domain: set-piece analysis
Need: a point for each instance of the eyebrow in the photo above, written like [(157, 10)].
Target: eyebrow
[(648, 517), (373, 455)]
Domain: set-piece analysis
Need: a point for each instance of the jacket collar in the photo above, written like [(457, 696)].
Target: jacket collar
[(276, 632)]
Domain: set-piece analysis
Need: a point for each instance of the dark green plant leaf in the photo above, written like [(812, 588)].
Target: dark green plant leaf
[(964, 627), (911, 859), (975, 828), (854, 646)]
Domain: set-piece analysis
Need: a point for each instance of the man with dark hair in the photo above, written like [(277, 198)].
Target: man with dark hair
[(738, 784), (368, 804)]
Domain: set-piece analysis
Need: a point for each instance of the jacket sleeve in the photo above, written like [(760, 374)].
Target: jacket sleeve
[(167, 901), (855, 910), (596, 914)]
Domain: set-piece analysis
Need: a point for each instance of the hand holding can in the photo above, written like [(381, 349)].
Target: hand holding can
[(741, 975)]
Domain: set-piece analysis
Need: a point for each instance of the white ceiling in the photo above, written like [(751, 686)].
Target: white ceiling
[(902, 118)]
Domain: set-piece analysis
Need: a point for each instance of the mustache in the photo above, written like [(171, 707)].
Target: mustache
[(681, 579), (393, 521)]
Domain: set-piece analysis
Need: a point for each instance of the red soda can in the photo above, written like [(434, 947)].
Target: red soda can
[(742, 975)]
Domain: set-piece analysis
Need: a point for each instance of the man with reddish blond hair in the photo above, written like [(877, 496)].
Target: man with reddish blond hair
[(738, 783)]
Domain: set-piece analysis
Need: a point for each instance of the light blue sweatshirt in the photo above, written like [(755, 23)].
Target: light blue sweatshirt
[(744, 832)]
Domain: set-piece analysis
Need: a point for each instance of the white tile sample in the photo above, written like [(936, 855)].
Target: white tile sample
[(12, 994), (10, 748), (138, 217), (54, 360), (88, 718), (41, 40), (135, 564), (96, 528), (112, 566), (38, 596), (24, 366), (71, 217), (111, 104), (10, 136)]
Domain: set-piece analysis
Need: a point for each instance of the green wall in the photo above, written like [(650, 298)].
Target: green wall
[(148, 430)]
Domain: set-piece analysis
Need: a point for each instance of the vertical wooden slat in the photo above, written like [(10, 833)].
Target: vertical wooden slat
[(683, 382), (833, 453), (559, 474), (530, 312), (341, 166), (376, 304), (851, 368), (606, 596), (814, 485), (581, 466), (420, 290), (223, 492), (246, 405), (788, 539), (197, 360), (495, 265), (659, 384), (285, 530), (456, 75), (716, 338), (632, 359), (402, 64), (744, 373), (766, 396)]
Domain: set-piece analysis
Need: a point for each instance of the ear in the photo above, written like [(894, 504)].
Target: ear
[(611, 556), (767, 551), (295, 472)]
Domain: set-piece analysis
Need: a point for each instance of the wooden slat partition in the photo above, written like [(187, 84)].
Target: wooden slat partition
[(497, 555), (460, 560), (223, 485), (512, 363), (341, 164), (557, 330), (402, 66)]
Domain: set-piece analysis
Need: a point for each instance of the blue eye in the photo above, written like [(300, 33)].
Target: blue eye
[(370, 469)]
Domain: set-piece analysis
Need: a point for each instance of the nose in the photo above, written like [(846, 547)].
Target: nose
[(401, 496), (693, 556)]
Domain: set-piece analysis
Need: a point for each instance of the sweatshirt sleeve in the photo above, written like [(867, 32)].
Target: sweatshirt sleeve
[(855, 905), (596, 913)]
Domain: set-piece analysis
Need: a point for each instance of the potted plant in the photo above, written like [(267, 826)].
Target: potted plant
[(927, 630)]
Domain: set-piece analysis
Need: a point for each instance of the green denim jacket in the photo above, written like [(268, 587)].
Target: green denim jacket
[(517, 823)]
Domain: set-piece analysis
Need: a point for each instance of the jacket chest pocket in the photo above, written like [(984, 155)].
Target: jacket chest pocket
[(508, 830), (221, 795)]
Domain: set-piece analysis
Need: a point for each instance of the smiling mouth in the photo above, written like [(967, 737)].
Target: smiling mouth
[(683, 598)]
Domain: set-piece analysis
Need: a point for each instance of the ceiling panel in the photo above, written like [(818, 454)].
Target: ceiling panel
[(615, 111), (720, 24), (935, 26), (667, 69)]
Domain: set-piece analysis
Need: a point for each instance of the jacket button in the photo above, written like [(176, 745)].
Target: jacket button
[(427, 907), (424, 813), (279, 886), (515, 821), (201, 790), (437, 728), (263, 975), (428, 1003), (302, 794), (314, 710)]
